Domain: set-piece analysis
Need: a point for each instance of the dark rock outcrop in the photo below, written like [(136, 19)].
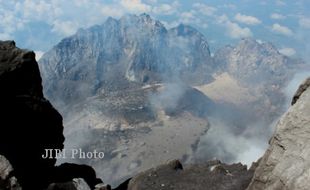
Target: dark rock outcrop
[(30, 124), (303, 87)]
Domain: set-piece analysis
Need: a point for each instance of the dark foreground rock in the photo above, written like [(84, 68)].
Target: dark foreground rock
[(30, 124)]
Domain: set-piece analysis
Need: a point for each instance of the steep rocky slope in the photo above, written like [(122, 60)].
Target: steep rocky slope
[(285, 165)]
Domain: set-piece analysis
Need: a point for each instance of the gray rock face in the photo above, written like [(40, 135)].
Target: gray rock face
[(285, 164)]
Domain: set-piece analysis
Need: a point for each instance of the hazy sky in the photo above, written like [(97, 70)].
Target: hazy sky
[(40, 24)]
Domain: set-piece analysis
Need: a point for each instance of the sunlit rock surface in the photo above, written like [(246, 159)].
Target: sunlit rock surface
[(286, 163)]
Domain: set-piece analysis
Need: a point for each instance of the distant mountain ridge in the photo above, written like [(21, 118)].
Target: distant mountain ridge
[(137, 50), (133, 49), (255, 63)]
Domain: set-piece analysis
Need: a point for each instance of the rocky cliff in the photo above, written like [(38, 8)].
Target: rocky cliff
[(285, 165), (29, 125)]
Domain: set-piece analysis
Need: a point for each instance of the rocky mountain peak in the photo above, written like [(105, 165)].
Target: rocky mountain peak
[(250, 45), (138, 48), (195, 38), (185, 30), (147, 19), (144, 22), (111, 20), (253, 62)]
